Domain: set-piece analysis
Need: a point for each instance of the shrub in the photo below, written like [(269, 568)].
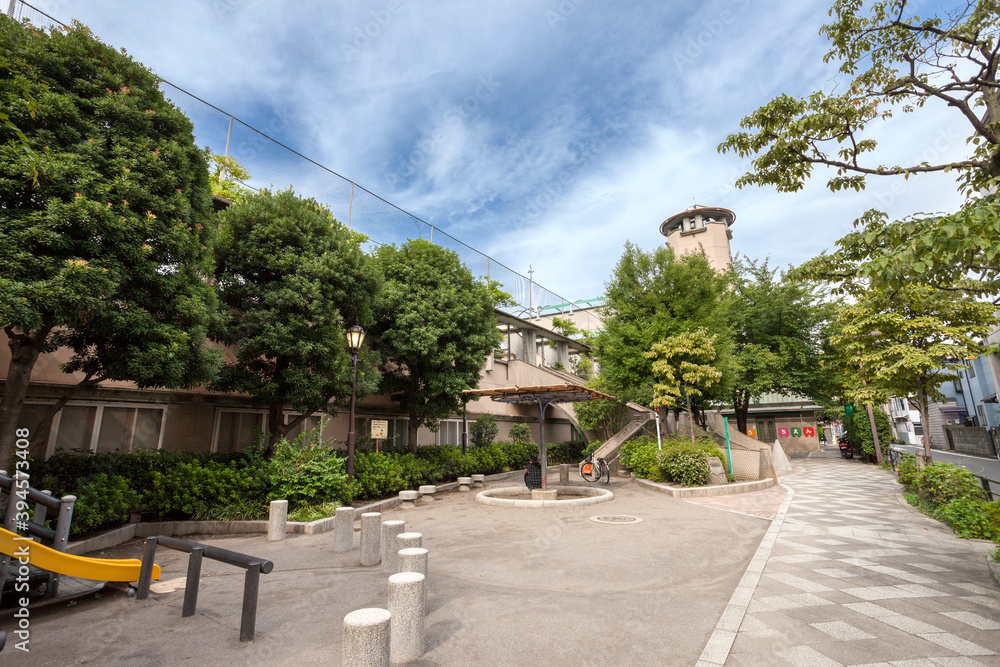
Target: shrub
[(305, 472), (103, 500), (968, 517), (940, 483), (196, 488), (907, 471), (520, 433), (570, 451), (484, 430), (859, 430), (591, 448), (639, 456), (377, 475), (686, 465)]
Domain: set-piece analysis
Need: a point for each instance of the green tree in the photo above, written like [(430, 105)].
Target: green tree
[(605, 417), (483, 431), (897, 62), (777, 324), (292, 279), (105, 228), (435, 325), (652, 296), (227, 176), (684, 367), (908, 341)]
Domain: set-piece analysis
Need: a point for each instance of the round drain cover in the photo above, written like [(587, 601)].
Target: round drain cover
[(616, 518)]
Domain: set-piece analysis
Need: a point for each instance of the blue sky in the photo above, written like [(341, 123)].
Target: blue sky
[(545, 133)]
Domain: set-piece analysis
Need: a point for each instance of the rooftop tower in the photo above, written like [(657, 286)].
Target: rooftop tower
[(702, 228)]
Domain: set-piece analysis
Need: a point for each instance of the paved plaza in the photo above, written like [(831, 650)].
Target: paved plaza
[(844, 574)]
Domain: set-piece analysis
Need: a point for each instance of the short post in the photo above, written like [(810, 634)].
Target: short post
[(277, 520), (371, 533), (464, 483), (146, 569), (343, 529), (61, 539), (248, 619), (407, 609), (193, 579), (413, 560), (427, 492), (408, 498), (564, 473), (366, 638), (390, 552), (479, 480), (409, 540)]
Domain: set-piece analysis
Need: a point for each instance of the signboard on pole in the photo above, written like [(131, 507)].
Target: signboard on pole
[(380, 429)]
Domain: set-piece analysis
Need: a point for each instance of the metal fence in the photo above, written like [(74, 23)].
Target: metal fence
[(272, 162)]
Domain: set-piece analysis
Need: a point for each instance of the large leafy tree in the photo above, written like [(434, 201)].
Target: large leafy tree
[(778, 326), (292, 279), (908, 341), (896, 62), (684, 368), (652, 296), (105, 219), (436, 326)]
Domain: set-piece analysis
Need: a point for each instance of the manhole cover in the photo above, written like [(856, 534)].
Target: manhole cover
[(616, 518)]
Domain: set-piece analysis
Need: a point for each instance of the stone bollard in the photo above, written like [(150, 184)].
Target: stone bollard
[(371, 533), (427, 492), (277, 520), (413, 559), (409, 540), (479, 480), (564, 473), (407, 605), (343, 529), (366, 638), (408, 498), (464, 483), (390, 552)]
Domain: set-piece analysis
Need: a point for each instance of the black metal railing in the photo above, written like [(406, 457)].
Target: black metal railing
[(254, 567)]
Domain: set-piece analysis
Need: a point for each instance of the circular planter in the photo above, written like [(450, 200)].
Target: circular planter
[(519, 496)]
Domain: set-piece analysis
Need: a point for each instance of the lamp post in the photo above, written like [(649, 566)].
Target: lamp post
[(355, 337)]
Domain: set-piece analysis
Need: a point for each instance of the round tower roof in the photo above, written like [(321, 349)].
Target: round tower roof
[(708, 213)]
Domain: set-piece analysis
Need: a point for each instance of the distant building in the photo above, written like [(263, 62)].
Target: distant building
[(702, 228)]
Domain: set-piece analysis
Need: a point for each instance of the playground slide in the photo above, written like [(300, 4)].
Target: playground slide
[(46, 558)]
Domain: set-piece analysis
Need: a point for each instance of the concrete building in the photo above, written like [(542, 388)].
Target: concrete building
[(702, 228)]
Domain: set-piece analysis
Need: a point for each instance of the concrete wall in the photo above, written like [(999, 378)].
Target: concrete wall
[(713, 238), (969, 440)]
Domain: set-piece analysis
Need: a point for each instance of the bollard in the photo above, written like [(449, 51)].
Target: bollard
[(464, 483), (413, 559), (564, 473), (366, 638), (371, 533), (390, 552), (409, 540), (343, 529), (479, 480), (277, 520), (427, 492), (407, 498), (407, 609)]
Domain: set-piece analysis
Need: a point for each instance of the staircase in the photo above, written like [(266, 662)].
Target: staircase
[(610, 450)]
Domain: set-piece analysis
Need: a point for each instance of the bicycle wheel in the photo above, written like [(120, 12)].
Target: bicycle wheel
[(590, 471), (605, 472)]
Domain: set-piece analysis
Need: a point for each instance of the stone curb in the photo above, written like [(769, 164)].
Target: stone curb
[(708, 491), (716, 651), (599, 496), (994, 567)]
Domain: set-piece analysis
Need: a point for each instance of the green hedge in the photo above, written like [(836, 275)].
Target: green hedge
[(953, 495), (678, 461)]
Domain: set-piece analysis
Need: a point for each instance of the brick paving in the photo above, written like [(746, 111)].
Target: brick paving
[(849, 574)]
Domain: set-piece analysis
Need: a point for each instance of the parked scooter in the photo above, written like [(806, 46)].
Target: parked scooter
[(845, 448)]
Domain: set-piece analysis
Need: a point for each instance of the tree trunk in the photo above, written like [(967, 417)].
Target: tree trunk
[(275, 429), (411, 433), (925, 418), (44, 426), (24, 351), (741, 406), (690, 419)]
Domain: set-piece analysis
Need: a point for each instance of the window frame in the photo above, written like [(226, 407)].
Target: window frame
[(218, 422), (99, 418)]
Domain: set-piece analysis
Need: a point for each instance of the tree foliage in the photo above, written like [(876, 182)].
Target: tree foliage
[(652, 296), (897, 62), (605, 417), (435, 326), (227, 176), (292, 279), (105, 226), (684, 367)]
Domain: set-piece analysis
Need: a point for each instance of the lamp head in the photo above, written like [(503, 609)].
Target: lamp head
[(355, 337)]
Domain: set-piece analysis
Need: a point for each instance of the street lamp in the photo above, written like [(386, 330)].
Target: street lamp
[(355, 337)]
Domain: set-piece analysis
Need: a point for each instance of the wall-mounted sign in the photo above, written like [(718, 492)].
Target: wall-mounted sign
[(782, 432), (809, 432), (796, 432), (752, 432), (380, 429)]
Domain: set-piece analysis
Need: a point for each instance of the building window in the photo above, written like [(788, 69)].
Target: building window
[(108, 428), (235, 430), (310, 423), (918, 428), (449, 432), (972, 370), (982, 415)]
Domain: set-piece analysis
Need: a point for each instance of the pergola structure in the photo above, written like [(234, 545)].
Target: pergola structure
[(543, 396)]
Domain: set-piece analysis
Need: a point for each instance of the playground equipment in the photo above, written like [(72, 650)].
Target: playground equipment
[(46, 558)]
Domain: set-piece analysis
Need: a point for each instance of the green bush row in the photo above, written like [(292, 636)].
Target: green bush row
[(678, 461), (953, 495), (311, 476)]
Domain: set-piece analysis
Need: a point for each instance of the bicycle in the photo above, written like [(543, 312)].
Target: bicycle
[(595, 470)]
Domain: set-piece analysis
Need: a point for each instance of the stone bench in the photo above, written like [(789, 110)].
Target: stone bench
[(427, 492), (464, 483), (407, 498), (479, 480)]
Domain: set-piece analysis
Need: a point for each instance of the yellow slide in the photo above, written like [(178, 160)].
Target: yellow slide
[(46, 558)]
